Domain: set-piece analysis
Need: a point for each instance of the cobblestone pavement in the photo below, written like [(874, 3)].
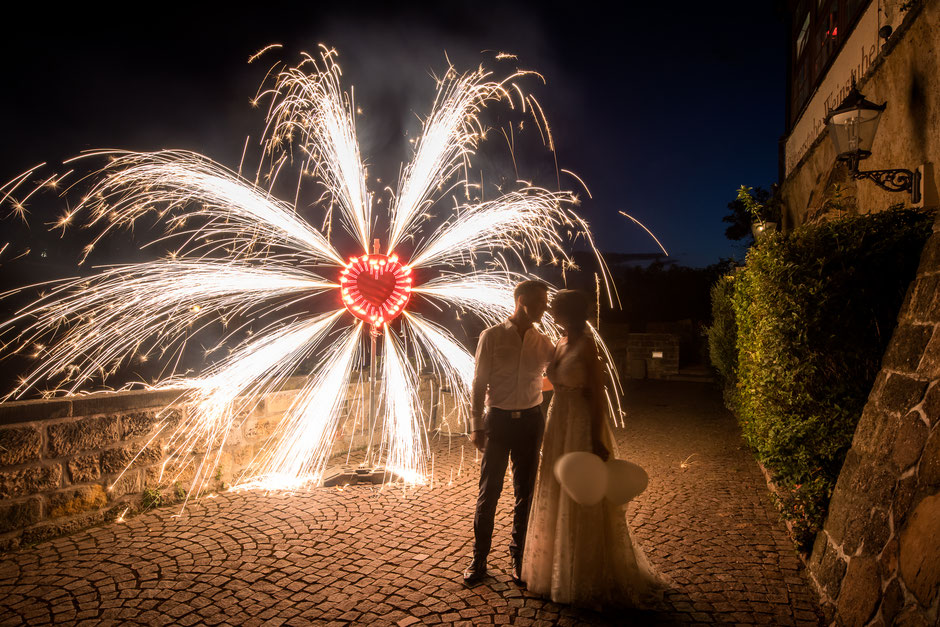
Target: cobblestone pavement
[(391, 556)]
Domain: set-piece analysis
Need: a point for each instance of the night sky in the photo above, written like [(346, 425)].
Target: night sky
[(663, 113)]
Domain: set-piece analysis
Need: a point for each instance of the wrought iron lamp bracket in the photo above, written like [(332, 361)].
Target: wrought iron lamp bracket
[(898, 180), (894, 180)]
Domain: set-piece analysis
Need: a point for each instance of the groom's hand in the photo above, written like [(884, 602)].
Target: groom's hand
[(479, 439)]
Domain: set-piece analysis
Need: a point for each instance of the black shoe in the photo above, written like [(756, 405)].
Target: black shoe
[(475, 572), (516, 572)]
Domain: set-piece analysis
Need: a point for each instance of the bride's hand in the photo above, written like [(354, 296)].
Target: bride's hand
[(600, 450)]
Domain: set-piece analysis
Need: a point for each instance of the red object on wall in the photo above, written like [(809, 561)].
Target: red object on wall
[(375, 288)]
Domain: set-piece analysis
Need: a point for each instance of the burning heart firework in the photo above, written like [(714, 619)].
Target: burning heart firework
[(245, 252)]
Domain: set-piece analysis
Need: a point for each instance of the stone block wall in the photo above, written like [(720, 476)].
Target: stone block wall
[(641, 355), (877, 559), (61, 461)]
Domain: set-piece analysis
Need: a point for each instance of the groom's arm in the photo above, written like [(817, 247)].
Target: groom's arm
[(481, 378)]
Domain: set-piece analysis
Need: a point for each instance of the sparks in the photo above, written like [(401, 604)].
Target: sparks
[(240, 253), (650, 233)]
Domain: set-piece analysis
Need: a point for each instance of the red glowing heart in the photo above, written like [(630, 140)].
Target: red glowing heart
[(375, 288)]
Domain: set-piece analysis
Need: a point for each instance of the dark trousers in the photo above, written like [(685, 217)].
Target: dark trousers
[(507, 438)]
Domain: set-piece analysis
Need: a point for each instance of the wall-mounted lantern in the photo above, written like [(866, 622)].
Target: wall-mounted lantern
[(852, 130)]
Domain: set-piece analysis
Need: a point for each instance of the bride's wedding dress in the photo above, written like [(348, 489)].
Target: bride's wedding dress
[(582, 555)]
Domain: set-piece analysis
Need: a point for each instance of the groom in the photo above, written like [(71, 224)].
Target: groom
[(510, 360)]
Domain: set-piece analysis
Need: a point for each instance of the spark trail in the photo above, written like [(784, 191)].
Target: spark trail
[(240, 253)]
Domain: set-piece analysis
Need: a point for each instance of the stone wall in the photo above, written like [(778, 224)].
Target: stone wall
[(650, 355), (906, 75), (877, 559), (61, 460)]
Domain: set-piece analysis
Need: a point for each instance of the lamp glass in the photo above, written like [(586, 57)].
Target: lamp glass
[(853, 130)]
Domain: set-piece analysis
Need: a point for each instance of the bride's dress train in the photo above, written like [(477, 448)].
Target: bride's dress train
[(576, 554)]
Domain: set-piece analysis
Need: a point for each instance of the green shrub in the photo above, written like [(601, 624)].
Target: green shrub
[(722, 334), (814, 311), (151, 498)]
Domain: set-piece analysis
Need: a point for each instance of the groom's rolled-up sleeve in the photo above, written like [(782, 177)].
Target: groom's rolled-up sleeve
[(481, 378)]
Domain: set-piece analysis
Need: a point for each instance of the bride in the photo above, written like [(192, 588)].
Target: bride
[(577, 554)]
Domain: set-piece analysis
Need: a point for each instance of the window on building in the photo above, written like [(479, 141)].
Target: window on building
[(820, 28), (802, 37)]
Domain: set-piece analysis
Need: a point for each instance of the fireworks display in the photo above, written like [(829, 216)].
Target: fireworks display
[(240, 253)]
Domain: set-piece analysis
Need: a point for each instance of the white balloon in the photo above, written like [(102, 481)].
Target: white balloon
[(583, 476), (625, 481)]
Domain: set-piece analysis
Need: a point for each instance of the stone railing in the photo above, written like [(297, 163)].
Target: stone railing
[(61, 460), (877, 559)]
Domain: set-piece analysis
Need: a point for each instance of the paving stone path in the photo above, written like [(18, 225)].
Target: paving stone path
[(364, 555)]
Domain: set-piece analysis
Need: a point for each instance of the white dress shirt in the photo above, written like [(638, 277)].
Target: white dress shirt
[(508, 370)]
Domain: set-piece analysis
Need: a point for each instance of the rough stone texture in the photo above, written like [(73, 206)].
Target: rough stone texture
[(129, 483), (171, 473), (365, 555), (909, 443), (140, 423), (71, 462), (860, 593), (923, 292), (19, 445), (929, 469), (255, 427), (76, 501), (901, 393), (877, 559), (920, 551), (92, 452), (60, 526), (892, 601), (875, 531), (873, 430), (83, 435), (931, 405), (930, 258), (278, 402), (114, 460), (879, 549), (931, 359), (231, 463), (15, 483), (907, 345), (904, 496), (888, 560), (852, 511), (827, 566), (911, 617), (19, 514), (85, 468)]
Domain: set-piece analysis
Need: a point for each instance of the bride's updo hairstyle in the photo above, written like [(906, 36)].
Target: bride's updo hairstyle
[(571, 306)]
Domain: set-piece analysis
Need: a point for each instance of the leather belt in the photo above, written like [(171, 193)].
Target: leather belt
[(513, 413)]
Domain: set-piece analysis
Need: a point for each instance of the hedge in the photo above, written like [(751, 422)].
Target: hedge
[(722, 334), (813, 312)]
